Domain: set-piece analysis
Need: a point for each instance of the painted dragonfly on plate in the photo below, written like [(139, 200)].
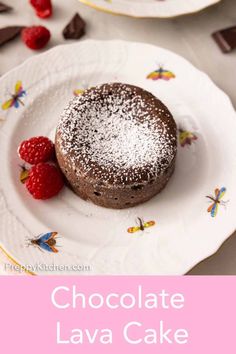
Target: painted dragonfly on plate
[(16, 98), (216, 201), (141, 226)]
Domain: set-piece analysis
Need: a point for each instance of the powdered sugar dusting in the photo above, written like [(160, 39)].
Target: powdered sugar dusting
[(116, 134)]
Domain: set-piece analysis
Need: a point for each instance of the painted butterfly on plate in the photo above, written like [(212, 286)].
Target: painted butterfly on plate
[(47, 242), (213, 208), (78, 92), (161, 74), (186, 137), (141, 227), (15, 99)]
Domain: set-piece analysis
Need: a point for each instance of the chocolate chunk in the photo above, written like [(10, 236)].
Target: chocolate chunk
[(75, 28), (9, 33), (226, 39), (4, 8)]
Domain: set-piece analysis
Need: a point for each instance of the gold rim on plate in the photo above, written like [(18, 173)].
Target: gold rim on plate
[(14, 262), (103, 9)]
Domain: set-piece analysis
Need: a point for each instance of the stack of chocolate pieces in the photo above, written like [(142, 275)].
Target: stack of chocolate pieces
[(10, 32)]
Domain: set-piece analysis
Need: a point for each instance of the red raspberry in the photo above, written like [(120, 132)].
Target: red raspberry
[(35, 37), (43, 8), (45, 181), (36, 150)]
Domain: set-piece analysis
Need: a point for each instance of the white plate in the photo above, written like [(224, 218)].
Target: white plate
[(150, 8), (184, 233)]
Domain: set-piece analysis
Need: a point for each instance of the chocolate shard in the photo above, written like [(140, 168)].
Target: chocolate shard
[(226, 39), (4, 7), (75, 29), (9, 33)]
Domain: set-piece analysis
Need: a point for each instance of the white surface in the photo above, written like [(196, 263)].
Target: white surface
[(151, 8), (188, 36)]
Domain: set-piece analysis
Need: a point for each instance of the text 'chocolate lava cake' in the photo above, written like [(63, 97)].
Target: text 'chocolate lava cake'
[(116, 145)]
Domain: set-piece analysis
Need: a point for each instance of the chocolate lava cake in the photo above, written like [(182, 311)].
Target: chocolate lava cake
[(116, 145)]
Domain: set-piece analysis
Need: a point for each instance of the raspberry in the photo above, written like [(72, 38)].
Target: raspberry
[(43, 8), (36, 150), (45, 181), (35, 37)]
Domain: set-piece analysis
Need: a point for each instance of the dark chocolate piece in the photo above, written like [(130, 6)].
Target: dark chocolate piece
[(9, 33), (75, 29), (226, 39), (4, 7)]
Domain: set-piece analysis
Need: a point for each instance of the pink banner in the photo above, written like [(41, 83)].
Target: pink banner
[(67, 315)]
